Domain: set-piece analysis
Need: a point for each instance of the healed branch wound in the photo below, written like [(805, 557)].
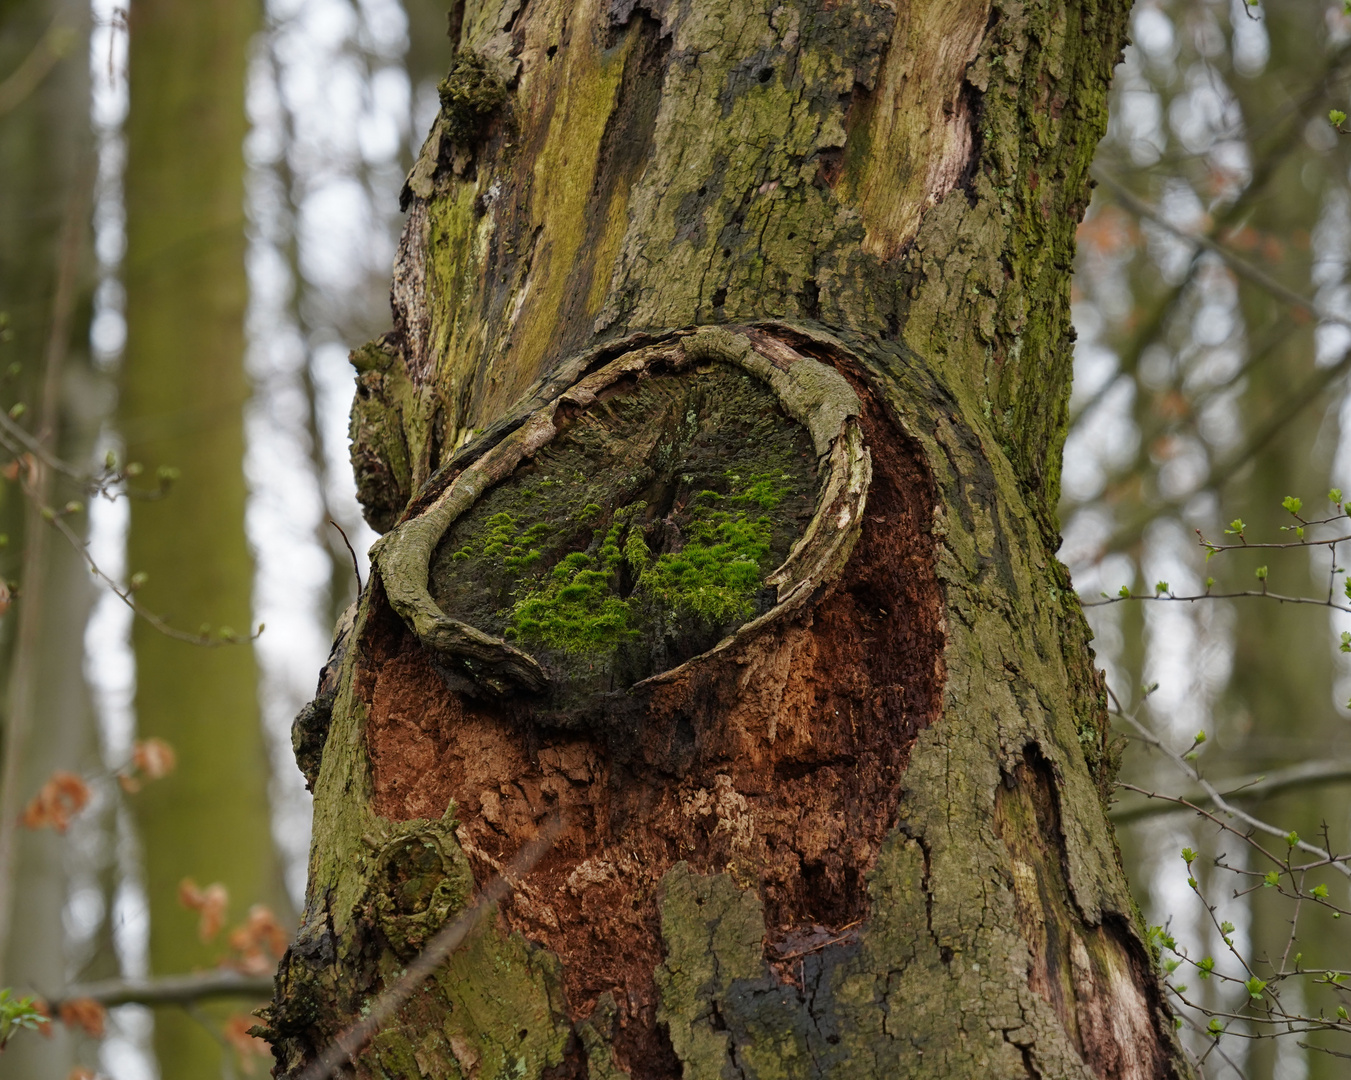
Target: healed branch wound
[(682, 495)]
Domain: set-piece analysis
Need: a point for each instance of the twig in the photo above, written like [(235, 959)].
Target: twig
[(1240, 265), (170, 989), (141, 612), (1216, 798), (1239, 595), (1149, 804), (356, 566), (349, 1043)]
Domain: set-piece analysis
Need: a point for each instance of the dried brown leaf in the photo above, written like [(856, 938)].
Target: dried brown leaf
[(84, 1013)]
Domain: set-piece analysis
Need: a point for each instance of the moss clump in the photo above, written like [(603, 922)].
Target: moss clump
[(505, 543), (714, 576), (470, 94), (722, 565), (578, 609), (640, 536)]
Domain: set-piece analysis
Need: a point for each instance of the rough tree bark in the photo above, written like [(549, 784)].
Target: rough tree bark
[(716, 444)]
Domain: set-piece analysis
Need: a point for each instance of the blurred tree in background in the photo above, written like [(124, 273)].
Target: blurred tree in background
[(45, 281), (1204, 394), (253, 187), (182, 392)]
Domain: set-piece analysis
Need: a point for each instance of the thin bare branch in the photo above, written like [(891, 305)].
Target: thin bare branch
[(1218, 800), (169, 989), (1237, 263), (1148, 804)]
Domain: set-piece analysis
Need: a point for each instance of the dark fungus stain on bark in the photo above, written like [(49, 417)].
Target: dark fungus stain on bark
[(779, 764), (1096, 978)]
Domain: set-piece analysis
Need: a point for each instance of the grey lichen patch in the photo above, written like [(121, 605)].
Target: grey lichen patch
[(713, 931), (726, 1012)]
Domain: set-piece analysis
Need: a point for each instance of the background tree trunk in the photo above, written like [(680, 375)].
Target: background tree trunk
[(182, 400), (863, 833), (44, 291)]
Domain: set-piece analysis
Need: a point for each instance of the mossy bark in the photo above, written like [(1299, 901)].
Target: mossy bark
[(863, 834)]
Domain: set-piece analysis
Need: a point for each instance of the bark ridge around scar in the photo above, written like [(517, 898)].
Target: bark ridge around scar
[(812, 393)]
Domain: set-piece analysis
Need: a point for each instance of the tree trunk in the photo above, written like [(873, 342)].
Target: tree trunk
[(181, 406), (45, 284), (717, 441)]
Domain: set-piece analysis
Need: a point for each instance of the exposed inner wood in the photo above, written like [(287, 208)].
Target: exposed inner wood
[(1097, 978), (781, 765)]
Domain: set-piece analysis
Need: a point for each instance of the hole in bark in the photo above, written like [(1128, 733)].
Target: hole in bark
[(971, 104), (790, 750), (637, 538), (830, 163), (765, 74), (1096, 978), (719, 298), (551, 51), (810, 298)]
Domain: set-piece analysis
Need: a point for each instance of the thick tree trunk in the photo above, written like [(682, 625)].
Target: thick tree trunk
[(718, 439)]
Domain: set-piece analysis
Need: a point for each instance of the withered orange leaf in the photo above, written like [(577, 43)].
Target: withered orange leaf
[(58, 800), (84, 1013)]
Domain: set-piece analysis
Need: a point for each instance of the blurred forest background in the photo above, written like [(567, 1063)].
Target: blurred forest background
[(198, 213)]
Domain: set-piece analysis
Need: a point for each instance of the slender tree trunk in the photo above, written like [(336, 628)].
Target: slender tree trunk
[(718, 442), (44, 289), (183, 392)]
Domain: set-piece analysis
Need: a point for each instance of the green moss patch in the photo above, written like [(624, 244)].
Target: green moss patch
[(470, 94), (641, 535)]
